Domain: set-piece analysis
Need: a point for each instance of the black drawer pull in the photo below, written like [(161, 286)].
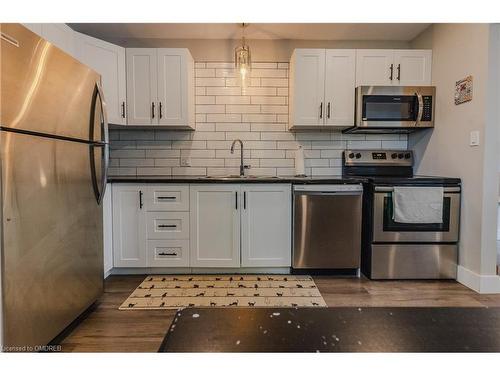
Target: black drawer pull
[(166, 198), (167, 226), (168, 254)]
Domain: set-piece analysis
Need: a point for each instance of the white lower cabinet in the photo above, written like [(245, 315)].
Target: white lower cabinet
[(129, 229), (215, 225), (266, 225), (206, 225)]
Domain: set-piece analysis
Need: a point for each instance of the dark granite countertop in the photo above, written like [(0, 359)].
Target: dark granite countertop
[(235, 179), (338, 329)]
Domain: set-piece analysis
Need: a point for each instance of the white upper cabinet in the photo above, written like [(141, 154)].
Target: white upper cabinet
[(340, 76), (322, 86), (374, 67), (215, 225), (160, 87), (175, 85), (266, 223), (413, 67), (142, 79), (109, 61), (60, 35), (307, 87), (393, 67)]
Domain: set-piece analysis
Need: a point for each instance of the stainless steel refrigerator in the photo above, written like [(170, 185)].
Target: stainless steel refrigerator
[(54, 157)]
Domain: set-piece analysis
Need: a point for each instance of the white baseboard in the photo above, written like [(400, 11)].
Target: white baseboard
[(484, 284)]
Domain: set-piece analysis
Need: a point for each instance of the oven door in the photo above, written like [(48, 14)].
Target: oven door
[(385, 229)]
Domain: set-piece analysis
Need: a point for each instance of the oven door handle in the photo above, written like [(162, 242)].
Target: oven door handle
[(389, 189), (420, 108)]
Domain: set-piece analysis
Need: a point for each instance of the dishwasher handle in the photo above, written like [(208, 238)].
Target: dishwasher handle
[(328, 193)]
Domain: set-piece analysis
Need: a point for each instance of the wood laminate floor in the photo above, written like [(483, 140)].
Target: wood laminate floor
[(107, 329)]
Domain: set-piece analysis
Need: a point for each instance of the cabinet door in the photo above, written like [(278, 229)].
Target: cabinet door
[(373, 67), (266, 223), (215, 225), (60, 35), (141, 86), (413, 67), (129, 240), (109, 61), (307, 87), (174, 67), (340, 83)]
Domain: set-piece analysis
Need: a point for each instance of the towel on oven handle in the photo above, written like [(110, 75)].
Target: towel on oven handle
[(418, 205)]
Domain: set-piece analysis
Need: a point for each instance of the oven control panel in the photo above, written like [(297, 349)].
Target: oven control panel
[(378, 157)]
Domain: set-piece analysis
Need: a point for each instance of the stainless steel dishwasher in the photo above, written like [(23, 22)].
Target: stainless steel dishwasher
[(327, 226)]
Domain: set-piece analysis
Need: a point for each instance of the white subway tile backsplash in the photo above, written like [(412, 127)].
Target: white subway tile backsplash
[(210, 108), (257, 114), (189, 153), (233, 100), (167, 162), (231, 126), (228, 117), (258, 118), (244, 136), (237, 108), (267, 99), (204, 73)]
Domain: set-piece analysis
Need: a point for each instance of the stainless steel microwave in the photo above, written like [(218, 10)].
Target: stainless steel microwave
[(393, 109)]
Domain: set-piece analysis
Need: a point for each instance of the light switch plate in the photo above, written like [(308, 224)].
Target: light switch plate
[(185, 162), (474, 138)]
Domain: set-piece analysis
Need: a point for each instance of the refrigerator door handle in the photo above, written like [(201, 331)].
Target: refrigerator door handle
[(99, 188)]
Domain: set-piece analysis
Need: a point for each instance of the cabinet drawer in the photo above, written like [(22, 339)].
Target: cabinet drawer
[(168, 253), (167, 198), (167, 225)]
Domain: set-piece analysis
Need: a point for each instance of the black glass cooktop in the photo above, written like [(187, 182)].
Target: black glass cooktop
[(414, 180)]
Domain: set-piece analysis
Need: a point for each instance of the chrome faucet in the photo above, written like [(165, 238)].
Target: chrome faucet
[(242, 166)]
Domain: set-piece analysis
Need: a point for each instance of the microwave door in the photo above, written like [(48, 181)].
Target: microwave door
[(390, 110)]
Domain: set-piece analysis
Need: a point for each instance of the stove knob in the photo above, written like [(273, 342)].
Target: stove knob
[(400, 156), (394, 155), (407, 155), (351, 155), (358, 155)]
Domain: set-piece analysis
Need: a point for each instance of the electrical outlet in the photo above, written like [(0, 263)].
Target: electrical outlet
[(185, 162), (474, 138)]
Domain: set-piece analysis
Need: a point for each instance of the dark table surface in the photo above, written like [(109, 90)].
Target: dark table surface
[(343, 329)]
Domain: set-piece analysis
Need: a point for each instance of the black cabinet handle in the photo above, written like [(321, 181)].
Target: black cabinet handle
[(392, 71), (140, 199), (167, 226), (152, 110), (236, 200), (321, 110), (244, 200), (160, 112), (168, 254), (328, 110), (166, 198), (123, 109), (399, 72)]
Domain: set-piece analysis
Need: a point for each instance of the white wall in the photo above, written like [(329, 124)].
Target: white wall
[(460, 50)]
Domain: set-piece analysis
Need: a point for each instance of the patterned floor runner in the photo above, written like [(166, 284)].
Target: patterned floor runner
[(172, 292)]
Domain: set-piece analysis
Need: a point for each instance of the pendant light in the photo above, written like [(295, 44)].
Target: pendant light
[(242, 58)]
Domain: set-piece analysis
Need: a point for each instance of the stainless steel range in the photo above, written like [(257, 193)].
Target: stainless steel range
[(403, 250)]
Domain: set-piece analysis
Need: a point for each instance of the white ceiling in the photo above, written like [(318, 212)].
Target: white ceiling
[(304, 31)]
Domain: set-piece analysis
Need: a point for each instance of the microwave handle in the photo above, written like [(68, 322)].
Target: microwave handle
[(420, 108)]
